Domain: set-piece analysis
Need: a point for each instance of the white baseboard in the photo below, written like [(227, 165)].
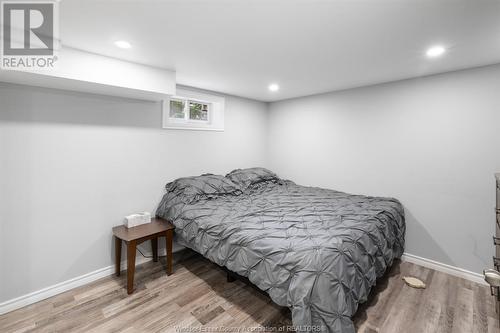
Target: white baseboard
[(448, 269), (56, 289), (39, 295), (45, 293)]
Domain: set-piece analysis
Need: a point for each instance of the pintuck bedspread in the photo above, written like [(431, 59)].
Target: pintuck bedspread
[(314, 250)]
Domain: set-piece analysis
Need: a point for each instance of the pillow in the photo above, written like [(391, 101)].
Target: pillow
[(251, 176), (206, 185)]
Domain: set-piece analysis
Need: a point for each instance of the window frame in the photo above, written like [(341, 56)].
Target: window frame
[(187, 110), (215, 113)]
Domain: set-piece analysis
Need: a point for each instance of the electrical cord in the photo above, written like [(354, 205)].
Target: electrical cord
[(145, 256)]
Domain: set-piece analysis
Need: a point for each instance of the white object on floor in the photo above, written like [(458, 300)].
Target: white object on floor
[(492, 277), (137, 219), (414, 282)]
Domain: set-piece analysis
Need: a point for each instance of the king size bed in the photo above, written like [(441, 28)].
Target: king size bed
[(314, 250)]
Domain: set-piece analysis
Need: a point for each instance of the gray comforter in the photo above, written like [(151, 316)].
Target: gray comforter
[(314, 250)]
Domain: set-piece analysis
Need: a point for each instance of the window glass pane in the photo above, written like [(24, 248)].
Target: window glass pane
[(198, 111), (177, 108)]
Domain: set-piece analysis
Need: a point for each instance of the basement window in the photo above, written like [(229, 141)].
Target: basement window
[(185, 110), (193, 110)]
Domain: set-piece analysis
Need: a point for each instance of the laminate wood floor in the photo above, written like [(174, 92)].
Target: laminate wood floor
[(197, 295)]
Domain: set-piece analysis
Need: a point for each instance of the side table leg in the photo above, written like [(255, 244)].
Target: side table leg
[(154, 247), (118, 255), (169, 237), (131, 248)]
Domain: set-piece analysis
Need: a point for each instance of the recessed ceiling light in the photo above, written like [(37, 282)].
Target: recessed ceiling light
[(435, 51), (274, 87), (123, 44)]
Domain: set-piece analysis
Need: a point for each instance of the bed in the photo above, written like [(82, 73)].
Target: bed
[(314, 250)]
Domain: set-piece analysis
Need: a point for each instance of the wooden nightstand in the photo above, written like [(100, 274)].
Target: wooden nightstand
[(136, 235)]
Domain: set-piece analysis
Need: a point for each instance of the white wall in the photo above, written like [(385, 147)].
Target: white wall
[(433, 143), (72, 165)]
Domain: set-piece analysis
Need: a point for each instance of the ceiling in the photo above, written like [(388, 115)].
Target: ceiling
[(306, 46)]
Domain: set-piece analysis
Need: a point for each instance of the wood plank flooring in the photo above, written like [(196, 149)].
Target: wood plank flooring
[(197, 295)]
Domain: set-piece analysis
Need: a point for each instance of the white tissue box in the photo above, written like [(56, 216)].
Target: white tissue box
[(137, 219)]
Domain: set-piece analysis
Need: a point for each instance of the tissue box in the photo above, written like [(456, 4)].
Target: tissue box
[(137, 219)]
